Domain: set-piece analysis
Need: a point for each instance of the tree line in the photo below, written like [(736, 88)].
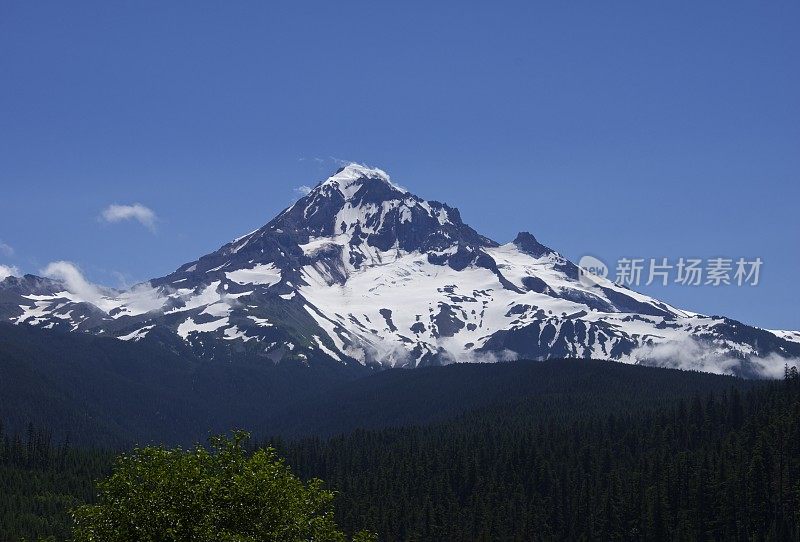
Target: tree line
[(724, 466), (586, 459)]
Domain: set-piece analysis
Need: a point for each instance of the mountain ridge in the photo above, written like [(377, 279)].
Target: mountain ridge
[(361, 271)]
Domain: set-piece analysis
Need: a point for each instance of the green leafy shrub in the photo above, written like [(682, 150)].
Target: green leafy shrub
[(222, 495)]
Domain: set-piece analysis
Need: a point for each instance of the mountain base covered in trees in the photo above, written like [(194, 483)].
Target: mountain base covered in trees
[(594, 452)]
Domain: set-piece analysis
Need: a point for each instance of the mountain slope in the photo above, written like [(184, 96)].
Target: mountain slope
[(104, 391), (397, 397), (362, 272)]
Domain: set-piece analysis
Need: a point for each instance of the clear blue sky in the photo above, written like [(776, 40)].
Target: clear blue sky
[(614, 129)]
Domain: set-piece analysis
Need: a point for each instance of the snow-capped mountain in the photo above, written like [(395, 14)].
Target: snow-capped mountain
[(362, 271)]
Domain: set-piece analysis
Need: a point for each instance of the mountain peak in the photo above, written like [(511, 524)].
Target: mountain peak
[(527, 243), (362, 271), (354, 171), (349, 179)]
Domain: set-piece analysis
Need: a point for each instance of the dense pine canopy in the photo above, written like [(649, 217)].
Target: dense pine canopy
[(720, 467), (585, 457)]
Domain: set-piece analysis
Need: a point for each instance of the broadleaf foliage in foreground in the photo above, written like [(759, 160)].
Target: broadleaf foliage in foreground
[(223, 494)]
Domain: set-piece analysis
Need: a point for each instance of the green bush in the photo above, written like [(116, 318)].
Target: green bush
[(199, 495)]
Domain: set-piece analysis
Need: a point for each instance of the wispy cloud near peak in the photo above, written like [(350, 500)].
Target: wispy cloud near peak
[(117, 213), (8, 271), (6, 249)]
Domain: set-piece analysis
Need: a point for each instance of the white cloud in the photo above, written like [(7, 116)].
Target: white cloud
[(144, 215), (123, 282), (142, 298), (339, 161), (448, 350), (8, 271), (6, 249), (693, 355), (76, 283), (471, 356), (138, 299), (302, 190)]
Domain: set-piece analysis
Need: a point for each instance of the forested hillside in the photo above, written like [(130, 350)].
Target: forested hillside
[(558, 451), (107, 392), (41, 480), (400, 397), (723, 466), (111, 393)]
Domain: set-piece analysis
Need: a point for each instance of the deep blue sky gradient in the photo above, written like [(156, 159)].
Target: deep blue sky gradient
[(615, 129)]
